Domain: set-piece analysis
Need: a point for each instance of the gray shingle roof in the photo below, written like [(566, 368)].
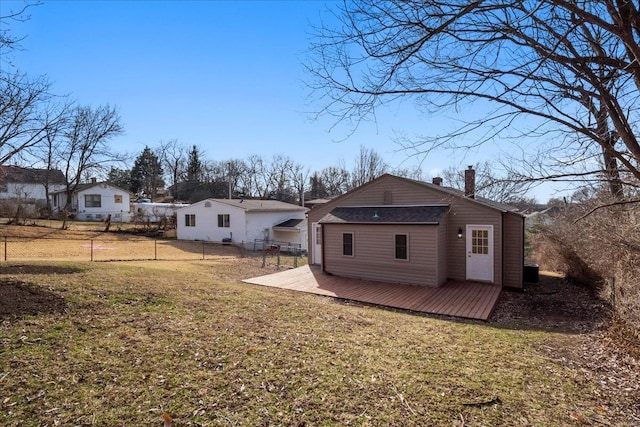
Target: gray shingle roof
[(292, 223), (261, 205), (21, 175), (428, 214)]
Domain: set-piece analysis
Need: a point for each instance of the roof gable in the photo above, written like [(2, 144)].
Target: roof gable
[(443, 195), (81, 188)]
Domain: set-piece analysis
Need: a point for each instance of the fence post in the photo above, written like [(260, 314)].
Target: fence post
[(203, 250), (155, 249), (5, 248), (91, 249)]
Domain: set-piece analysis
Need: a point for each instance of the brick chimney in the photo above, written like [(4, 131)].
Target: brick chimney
[(94, 180), (437, 180), (470, 183)]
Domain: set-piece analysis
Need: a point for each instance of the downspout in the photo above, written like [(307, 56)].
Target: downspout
[(322, 257), (502, 250), (524, 235)]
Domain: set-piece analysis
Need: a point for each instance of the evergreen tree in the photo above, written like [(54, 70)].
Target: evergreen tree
[(194, 166), (120, 178), (146, 174)]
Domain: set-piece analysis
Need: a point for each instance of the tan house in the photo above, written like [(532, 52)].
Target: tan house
[(399, 230)]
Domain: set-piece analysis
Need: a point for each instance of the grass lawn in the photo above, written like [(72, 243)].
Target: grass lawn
[(84, 344)]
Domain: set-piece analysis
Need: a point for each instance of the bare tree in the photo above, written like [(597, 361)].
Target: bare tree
[(173, 156), (299, 179), (559, 75), (8, 41), (84, 148), (257, 178), (488, 183), (48, 154), (368, 166), (27, 113), (334, 180)]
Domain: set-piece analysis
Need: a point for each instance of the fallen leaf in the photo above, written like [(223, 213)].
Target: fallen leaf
[(168, 420)]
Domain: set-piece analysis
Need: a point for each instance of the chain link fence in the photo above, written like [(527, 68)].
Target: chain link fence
[(134, 249)]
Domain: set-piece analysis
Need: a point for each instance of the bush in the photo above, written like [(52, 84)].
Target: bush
[(597, 246)]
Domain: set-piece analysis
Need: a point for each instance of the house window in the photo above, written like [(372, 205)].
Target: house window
[(224, 220), (117, 198), (402, 247), (480, 242), (347, 244), (92, 201), (190, 220), (4, 188)]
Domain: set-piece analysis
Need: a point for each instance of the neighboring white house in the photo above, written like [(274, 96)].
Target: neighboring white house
[(95, 202), (249, 222), (154, 212), (27, 188)]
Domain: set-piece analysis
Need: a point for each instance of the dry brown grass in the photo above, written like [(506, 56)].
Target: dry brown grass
[(120, 343), (86, 242)]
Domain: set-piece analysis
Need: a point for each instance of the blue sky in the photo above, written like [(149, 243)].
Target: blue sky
[(225, 76)]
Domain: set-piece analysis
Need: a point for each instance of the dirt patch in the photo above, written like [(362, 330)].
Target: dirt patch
[(20, 298), (37, 269), (553, 303)]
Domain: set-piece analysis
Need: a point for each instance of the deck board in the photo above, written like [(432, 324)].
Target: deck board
[(455, 298)]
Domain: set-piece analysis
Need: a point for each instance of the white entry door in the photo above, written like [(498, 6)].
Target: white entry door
[(316, 229), (480, 252)]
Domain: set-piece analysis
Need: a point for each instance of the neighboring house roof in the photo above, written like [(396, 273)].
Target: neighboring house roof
[(87, 186), (250, 205), (17, 174), (428, 214), (291, 225)]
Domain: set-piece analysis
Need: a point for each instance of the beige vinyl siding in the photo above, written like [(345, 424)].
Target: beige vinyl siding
[(465, 212), (400, 191), (513, 250), (374, 253), (443, 231), (462, 212)]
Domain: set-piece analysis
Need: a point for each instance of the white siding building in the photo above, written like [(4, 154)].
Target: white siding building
[(95, 202), (240, 221), (26, 189)]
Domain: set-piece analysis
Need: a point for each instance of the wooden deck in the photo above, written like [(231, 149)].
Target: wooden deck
[(461, 299)]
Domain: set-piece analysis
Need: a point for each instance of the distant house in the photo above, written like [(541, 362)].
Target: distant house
[(315, 202), (252, 223), (27, 187), (147, 211), (395, 229), (95, 201)]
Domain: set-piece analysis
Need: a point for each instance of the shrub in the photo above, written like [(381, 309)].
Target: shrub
[(597, 244)]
